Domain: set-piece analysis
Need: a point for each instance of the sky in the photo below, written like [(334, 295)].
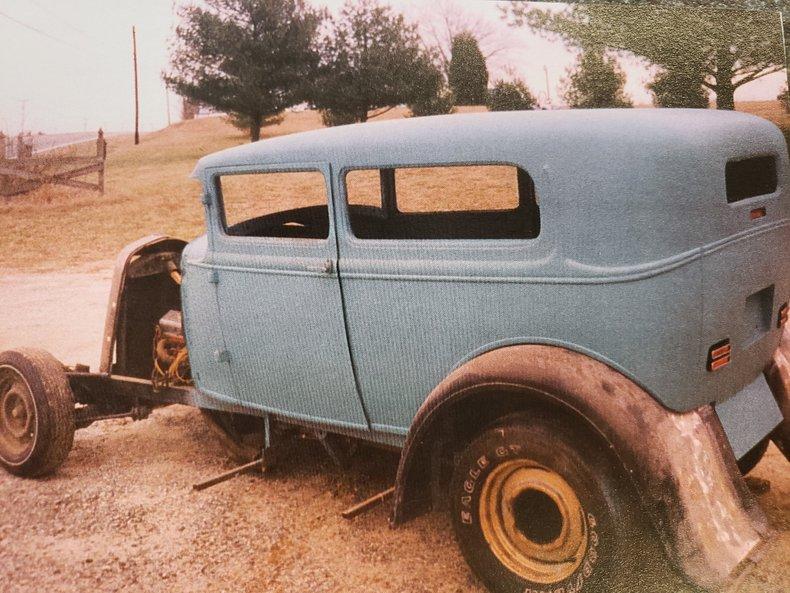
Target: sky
[(66, 65)]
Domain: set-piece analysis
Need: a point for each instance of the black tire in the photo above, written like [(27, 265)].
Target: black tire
[(36, 413), (749, 461), (543, 454), (241, 436)]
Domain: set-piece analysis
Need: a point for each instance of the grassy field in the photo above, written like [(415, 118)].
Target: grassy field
[(148, 190)]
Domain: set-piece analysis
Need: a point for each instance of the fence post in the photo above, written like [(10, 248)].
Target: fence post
[(101, 154)]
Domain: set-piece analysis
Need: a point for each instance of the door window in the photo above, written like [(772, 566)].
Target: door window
[(277, 204), (443, 202)]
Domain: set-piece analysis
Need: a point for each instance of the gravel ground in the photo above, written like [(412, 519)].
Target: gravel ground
[(120, 514)]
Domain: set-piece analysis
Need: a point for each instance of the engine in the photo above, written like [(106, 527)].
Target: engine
[(171, 359)]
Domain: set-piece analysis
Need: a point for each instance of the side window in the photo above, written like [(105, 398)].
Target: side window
[(279, 204), (446, 202), (751, 177)]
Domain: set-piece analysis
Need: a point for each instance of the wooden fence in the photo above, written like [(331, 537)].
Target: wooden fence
[(28, 171)]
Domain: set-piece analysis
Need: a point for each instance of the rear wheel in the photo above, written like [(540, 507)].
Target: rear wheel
[(36, 413), (536, 508)]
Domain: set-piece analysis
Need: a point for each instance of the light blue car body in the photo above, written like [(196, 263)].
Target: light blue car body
[(640, 263)]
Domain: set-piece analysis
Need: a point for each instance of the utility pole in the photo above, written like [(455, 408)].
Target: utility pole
[(167, 102), (136, 90), (23, 103), (548, 93)]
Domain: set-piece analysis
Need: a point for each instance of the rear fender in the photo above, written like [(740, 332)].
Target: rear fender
[(680, 463)]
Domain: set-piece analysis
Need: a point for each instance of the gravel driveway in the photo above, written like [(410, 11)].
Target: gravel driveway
[(120, 514)]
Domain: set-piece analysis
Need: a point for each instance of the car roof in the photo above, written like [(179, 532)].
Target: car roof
[(493, 136)]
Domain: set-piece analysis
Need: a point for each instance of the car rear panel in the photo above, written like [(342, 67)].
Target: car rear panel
[(745, 283), (746, 266)]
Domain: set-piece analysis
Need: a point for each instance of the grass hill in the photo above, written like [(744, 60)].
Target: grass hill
[(148, 190)]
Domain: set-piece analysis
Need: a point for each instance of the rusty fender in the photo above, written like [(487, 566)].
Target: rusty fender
[(131, 253), (778, 376), (680, 463)]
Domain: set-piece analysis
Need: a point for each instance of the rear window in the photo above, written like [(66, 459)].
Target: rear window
[(443, 202), (751, 177)]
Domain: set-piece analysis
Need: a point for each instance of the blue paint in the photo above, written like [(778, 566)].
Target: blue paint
[(640, 263), (754, 407)]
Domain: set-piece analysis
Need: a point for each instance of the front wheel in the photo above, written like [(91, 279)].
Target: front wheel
[(536, 509), (36, 413)]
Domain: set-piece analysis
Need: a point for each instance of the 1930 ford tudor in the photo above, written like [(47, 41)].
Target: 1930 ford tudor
[(567, 322)]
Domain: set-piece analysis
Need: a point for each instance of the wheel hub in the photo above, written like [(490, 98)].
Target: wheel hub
[(533, 521), (17, 416)]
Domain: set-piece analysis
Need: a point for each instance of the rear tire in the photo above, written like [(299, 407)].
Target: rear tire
[(536, 508), (36, 413)]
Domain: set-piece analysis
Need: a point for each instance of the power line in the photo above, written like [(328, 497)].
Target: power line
[(59, 18), (39, 31)]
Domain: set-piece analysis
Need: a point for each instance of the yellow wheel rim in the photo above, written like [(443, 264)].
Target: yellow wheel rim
[(533, 521)]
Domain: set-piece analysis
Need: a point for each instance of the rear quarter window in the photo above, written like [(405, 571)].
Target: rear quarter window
[(748, 178)]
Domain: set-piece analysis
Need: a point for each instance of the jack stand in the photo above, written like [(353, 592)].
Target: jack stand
[(263, 462), (367, 504), (338, 457), (228, 475)]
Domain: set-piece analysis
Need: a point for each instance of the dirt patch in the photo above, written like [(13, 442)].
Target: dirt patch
[(120, 514), (60, 312)]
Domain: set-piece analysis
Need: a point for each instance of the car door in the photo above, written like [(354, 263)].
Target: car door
[(437, 262), (275, 262)]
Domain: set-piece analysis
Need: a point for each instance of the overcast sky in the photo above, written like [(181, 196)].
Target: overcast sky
[(66, 65)]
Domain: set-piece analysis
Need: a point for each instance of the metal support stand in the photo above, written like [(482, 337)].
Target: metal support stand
[(228, 475), (262, 462), (336, 454), (367, 504)]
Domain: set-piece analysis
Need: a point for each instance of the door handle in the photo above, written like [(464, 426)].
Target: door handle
[(327, 267)]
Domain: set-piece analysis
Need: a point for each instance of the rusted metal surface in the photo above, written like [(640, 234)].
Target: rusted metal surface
[(110, 391), (224, 477), (171, 357), (87, 415), (125, 258), (778, 376), (241, 445), (680, 463), (18, 417), (367, 504)]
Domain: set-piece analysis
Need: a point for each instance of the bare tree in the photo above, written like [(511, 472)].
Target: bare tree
[(448, 18)]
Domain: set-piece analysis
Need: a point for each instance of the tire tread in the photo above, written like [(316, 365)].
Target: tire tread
[(54, 405)]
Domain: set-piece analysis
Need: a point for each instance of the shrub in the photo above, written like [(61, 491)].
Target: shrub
[(438, 104), (596, 82), (784, 97), (335, 117), (510, 96)]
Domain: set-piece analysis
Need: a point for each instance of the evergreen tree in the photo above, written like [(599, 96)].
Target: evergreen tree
[(467, 73), (372, 60), (510, 96), (248, 58), (598, 81)]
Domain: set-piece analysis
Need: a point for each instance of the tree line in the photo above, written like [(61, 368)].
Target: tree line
[(253, 59)]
